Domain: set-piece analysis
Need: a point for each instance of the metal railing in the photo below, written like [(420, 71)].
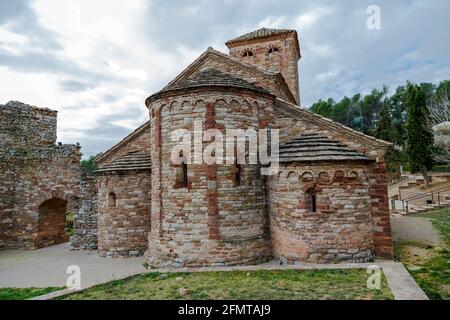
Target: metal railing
[(405, 202)]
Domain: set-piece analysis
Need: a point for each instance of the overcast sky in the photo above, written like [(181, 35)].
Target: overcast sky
[(95, 61)]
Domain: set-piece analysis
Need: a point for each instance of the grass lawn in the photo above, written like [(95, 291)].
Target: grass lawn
[(24, 293), (253, 285), (428, 264)]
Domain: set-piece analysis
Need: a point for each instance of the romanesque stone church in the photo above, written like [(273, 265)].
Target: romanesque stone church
[(327, 202)]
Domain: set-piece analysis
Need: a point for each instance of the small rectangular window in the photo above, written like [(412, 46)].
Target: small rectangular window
[(238, 172), (313, 202), (185, 175)]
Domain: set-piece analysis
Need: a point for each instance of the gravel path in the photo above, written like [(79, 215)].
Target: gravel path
[(418, 229)]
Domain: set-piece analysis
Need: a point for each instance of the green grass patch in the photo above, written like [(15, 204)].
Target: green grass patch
[(429, 264), (235, 285), (24, 293)]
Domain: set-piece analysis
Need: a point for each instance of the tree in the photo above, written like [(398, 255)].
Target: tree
[(324, 108), (384, 128), (397, 104), (385, 131), (418, 131), (439, 121), (89, 164)]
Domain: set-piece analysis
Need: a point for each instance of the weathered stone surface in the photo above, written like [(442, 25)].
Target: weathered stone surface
[(202, 214), (39, 179), (123, 220), (85, 233)]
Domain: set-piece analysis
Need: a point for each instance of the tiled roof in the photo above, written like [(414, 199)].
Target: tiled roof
[(313, 147), (210, 78), (130, 161), (260, 33)]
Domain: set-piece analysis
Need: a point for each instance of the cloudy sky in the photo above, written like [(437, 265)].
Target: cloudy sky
[(95, 61)]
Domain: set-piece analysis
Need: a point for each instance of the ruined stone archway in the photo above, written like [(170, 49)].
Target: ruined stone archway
[(52, 222)]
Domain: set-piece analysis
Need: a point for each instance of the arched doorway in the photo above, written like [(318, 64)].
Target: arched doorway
[(52, 222)]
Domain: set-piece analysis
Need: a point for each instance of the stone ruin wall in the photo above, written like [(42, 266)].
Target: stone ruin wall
[(33, 171), (85, 225), (340, 230)]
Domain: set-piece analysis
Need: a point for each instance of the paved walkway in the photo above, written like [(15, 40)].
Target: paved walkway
[(47, 267), (415, 229)]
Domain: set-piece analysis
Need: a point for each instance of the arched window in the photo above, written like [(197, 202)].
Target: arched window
[(112, 200), (247, 53), (273, 50)]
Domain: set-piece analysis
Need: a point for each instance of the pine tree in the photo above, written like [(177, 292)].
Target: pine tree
[(384, 129), (419, 134)]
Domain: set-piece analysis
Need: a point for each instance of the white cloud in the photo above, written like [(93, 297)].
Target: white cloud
[(309, 18), (273, 22), (97, 61)]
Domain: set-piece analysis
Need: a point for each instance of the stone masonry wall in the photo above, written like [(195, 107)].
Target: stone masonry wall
[(85, 225), (276, 54), (341, 229), (123, 213), (33, 170), (291, 126), (258, 78), (211, 221)]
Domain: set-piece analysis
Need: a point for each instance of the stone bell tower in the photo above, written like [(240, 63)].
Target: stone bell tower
[(274, 50)]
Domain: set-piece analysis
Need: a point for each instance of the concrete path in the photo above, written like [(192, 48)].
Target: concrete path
[(47, 267), (402, 284), (416, 229)]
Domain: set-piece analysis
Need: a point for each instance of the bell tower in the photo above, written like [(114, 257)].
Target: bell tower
[(273, 50)]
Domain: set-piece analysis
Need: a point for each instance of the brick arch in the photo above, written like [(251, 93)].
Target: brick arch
[(51, 222), (323, 177), (235, 105), (246, 103), (184, 104), (338, 176), (220, 102), (353, 175), (292, 175), (280, 174), (307, 177), (200, 102), (49, 194)]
